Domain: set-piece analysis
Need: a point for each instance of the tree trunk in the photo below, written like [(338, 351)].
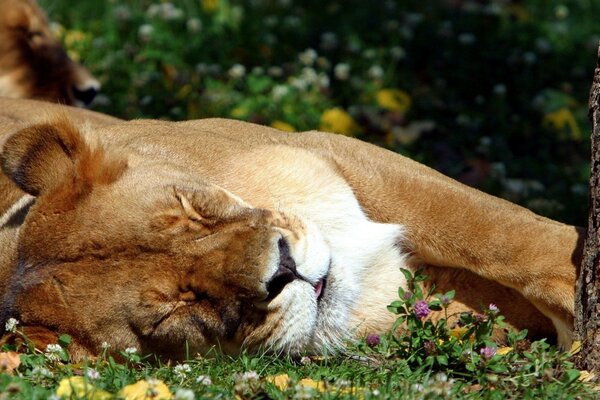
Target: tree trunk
[(587, 307)]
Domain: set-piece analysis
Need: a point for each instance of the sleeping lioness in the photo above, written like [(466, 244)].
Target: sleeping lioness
[(161, 235), (33, 63)]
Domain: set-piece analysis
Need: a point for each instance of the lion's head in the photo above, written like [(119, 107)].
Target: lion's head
[(33, 64), (122, 249)]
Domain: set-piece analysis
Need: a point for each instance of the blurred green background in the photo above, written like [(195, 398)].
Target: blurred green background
[(492, 93)]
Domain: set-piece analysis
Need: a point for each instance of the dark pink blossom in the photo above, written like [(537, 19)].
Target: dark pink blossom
[(422, 309)]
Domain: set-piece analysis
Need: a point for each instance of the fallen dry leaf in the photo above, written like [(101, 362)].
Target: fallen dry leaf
[(503, 351)]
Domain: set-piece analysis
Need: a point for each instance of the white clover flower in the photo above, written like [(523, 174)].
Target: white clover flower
[(204, 380), (194, 25), (467, 38), (122, 13), (182, 370), (499, 89), (305, 360), (341, 71), (38, 373), (397, 53), (53, 352), (237, 71), (92, 374), (308, 57), (279, 92), (247, 376), (11, 325), (258, 71), (184, 394), (299, 84), (329, 41), (275, 71), (375, 72), (105, 346), (323, 81), (145, 32), (130, 350)]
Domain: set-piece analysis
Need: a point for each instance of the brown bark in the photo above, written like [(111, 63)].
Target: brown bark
[(587, 307)]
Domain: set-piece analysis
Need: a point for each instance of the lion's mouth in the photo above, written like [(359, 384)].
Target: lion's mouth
[(320, 288)]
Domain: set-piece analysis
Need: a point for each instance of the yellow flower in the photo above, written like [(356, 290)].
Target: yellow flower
[(283, 126), (563, 119), (503, 351), (77, 387), (338, 121), (394, 100), (282, 382), (72, 37), (239, 112), (151, 389), (210, 5), (459, 332)]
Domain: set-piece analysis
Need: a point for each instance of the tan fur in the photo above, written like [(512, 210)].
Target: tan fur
[(33, 64), (177, 234)]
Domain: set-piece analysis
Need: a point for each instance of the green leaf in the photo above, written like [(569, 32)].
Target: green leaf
[(570, 376), (407, 274), (64, 340)]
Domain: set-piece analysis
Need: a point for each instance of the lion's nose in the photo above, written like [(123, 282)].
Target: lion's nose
[(86, 94), (286, 272)]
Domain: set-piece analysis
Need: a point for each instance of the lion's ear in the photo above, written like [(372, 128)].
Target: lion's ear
[(40, 157)]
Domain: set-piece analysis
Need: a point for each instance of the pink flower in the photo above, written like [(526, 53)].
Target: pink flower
[(487, 352), (373, 340), (493, 308), (422, 309)]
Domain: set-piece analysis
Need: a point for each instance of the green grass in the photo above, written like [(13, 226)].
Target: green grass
[(423, 359)]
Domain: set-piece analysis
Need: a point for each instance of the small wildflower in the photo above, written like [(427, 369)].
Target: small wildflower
[(341, 71), (247, 376), (145, 32), (397, 53), (11, 325), (487, 352), (394, 100), (204, 380), (329, 41), (53, 352), (375, 72), (480, 318), (39, 373), (105, 346), (182, 370), (92, 374), (407, 295), (279, 92), (283, 126), (493, 308), (338, 121), (237, 71), (421, 309), (308, 57), (373, 340), (184, 394), (445, 300), (430, 347), (305, 360), (275, 71), (130, 351), (194, 25), (146, 389)]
